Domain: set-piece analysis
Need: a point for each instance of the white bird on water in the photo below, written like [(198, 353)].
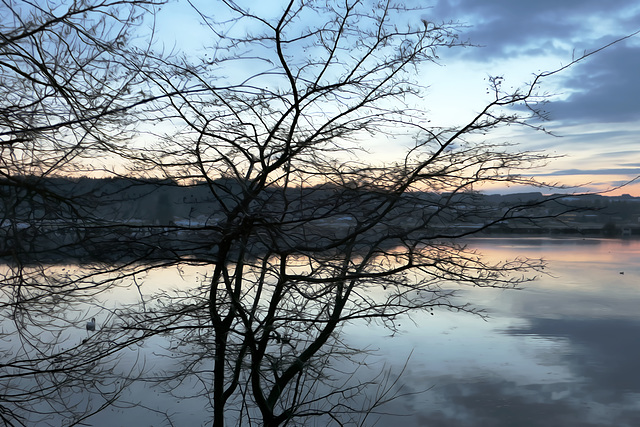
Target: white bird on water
[(91, 325)]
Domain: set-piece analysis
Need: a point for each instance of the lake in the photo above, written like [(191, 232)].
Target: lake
[(563, 351)]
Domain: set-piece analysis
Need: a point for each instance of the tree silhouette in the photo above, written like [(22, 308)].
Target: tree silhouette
[(296, 230)]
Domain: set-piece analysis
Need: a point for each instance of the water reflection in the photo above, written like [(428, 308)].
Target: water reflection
[(604, 352), (564, 351)]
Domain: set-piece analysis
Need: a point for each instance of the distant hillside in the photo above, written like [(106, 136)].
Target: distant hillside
[(162, 202)]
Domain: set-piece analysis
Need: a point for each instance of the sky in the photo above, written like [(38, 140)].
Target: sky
[(595, 110)]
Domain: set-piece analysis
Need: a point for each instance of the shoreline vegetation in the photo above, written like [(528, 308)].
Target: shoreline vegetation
[(120, 219)]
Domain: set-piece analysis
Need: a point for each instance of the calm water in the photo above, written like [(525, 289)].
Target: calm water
[(565, 351)]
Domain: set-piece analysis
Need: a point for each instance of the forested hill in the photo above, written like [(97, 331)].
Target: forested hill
[(163, 202)]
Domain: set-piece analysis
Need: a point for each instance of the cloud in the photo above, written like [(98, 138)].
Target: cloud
[(520, 28), (610, 171), (604, 88)]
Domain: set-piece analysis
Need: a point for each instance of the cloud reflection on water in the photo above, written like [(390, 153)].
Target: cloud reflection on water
[(562, 352)]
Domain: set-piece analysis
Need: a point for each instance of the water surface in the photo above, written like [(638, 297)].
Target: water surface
[(564, 351)]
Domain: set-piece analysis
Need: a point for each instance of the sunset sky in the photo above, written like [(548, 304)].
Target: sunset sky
[(596, 114), (596, 111)]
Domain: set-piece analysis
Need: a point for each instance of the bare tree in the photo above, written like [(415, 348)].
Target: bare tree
[(307, 236), (297, 231), (63, 97)]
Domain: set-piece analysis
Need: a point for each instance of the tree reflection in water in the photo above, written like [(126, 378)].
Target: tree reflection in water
[(561, 351)]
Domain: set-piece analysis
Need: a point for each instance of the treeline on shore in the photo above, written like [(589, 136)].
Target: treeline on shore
[(145, 218)]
